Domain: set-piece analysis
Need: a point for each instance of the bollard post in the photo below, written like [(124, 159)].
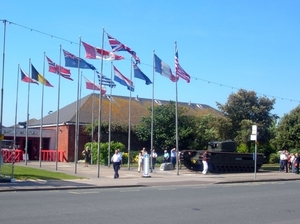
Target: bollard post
[(146, 166)]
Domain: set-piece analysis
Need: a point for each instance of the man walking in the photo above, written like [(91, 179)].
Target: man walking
[(116, 160)]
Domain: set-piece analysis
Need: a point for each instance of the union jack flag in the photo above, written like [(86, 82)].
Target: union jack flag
[(179, 70), (118, 46)]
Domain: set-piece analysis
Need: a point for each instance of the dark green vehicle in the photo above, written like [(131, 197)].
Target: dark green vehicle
[(222, 158)]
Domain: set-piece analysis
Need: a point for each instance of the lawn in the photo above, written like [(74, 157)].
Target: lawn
[(271, 167), (26, 173)]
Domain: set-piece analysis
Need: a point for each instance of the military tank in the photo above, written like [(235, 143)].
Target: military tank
[(222, 158)]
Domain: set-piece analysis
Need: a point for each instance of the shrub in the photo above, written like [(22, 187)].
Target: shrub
[(274, 158)]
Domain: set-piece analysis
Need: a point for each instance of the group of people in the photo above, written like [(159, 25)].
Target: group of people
[(172, 157), (289, 162), (141, 156)]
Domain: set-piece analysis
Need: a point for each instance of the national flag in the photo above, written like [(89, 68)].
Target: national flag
[(93, 86), (179, 70), (54, 68), (38, 77), (164, 69), (97, 53), (118, 77), (26, 78), (105, 81), (118, 46), (140, 75), (72, 61)]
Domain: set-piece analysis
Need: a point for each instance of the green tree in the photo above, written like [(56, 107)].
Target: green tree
[(164, 133), (287, 132), (245, 108)]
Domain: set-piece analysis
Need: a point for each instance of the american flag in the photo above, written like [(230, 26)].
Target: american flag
[(179, 70), (118, 46)]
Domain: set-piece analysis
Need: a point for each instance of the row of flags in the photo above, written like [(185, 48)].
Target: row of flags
[(97, 53)]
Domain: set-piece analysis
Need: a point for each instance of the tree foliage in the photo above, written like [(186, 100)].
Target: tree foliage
[(287, 132), (164, 127), (244, 109)]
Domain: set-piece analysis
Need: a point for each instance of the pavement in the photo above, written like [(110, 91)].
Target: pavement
[(95, 176)]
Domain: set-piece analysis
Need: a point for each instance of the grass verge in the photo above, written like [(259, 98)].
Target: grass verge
[(271, 167), (28, 173)]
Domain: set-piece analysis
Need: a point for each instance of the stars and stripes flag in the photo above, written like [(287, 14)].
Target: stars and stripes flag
[(179, 70), (57, 69), (118, 46), (92, 52)]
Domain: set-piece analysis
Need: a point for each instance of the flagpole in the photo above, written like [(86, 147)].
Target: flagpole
[(27, 120), (77, 106), (16, 109), (92, 134), (129, 117), (2, 87), (57, 113), (152, 104), (109, 123), (176, 121), (99, 114), (42, 108)]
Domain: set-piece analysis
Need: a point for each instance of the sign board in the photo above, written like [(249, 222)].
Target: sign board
[(1, 137), (253, 137), (254, 129)]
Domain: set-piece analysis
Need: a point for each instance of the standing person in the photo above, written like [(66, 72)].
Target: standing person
[(121, 156), (116, 159), (87, 156), (154, 156), (204, 162), (292, 160), (166, 156), (173, 157), (296, 163), (140, 161)]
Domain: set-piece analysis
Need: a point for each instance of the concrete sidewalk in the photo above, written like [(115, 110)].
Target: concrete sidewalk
[(132, 178)]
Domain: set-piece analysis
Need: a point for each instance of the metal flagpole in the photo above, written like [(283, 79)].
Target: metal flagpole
[(152, 105), (2, 87), (42, 108), (77, 106), (176, 121), (129, 116), (92, 134), (99, 115), (57, 112), (16, 110), (27, 120), (109, 123)]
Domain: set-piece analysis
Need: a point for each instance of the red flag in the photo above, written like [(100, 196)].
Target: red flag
[(93, 86), (97, 53), (54, 68)]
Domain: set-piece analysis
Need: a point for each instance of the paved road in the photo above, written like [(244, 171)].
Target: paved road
[(131, 178), (252, 202)]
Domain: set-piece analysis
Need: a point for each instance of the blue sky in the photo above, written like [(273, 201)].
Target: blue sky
[(223, 45)]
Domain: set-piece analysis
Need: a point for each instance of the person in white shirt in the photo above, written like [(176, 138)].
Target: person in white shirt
[(140, 161), (154, 156), (116, 160)]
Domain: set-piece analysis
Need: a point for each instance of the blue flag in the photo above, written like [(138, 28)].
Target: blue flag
[(72, 61), (140, 75)]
